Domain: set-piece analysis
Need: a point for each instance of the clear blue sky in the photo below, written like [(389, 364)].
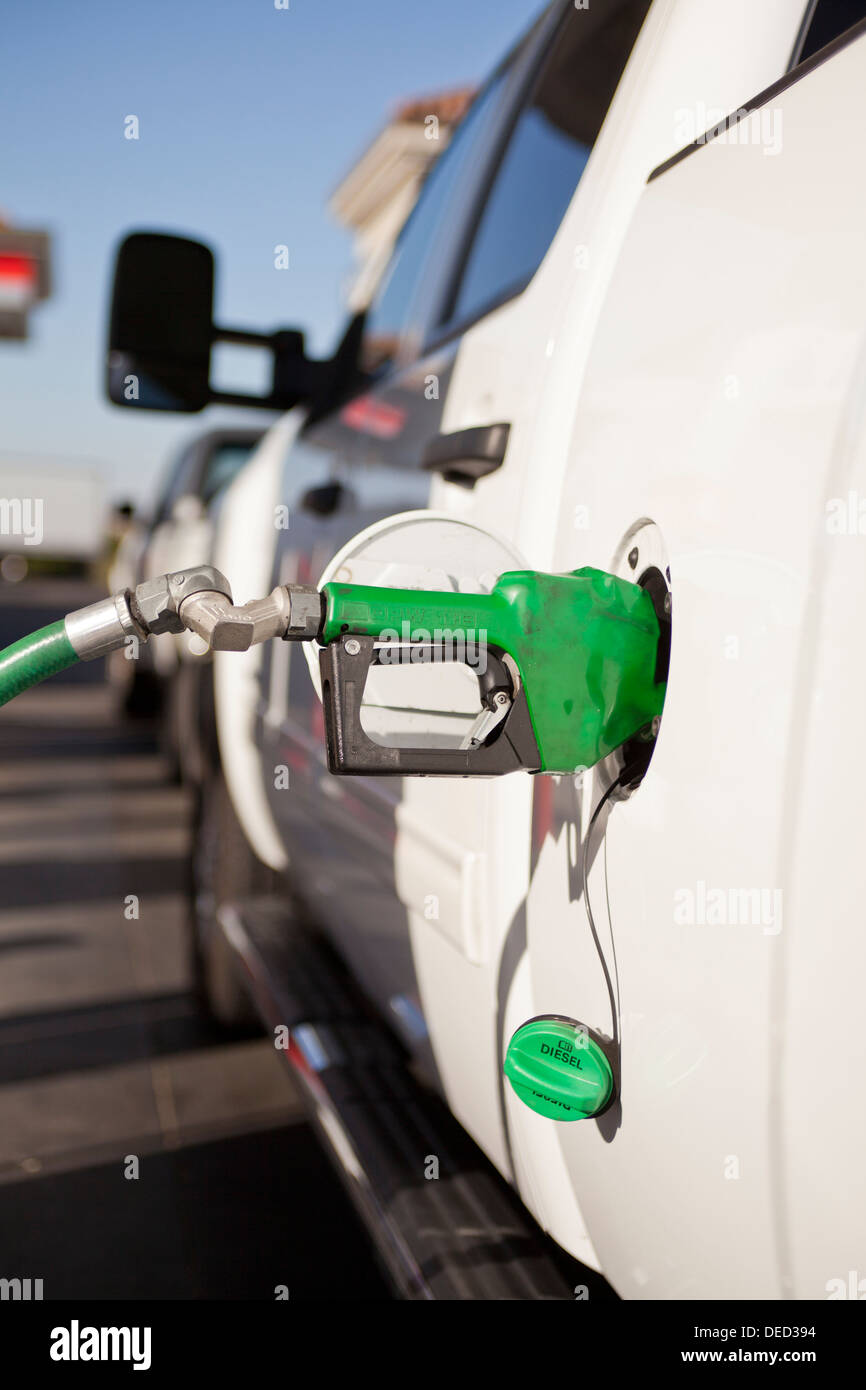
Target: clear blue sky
[(249, 116)]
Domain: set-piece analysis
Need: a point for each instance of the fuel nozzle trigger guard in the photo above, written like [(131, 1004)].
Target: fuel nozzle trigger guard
[(501, 739)]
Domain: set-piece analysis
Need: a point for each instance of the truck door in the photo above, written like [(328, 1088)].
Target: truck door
[(420, 918)]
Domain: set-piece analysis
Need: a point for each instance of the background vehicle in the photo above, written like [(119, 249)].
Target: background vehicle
[(589, 303), (52, 514), (173, 678)]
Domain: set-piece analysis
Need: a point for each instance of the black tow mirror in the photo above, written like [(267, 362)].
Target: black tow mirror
[(161, 334)]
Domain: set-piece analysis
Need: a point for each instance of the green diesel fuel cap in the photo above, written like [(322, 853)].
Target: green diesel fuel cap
[(558, 1070)]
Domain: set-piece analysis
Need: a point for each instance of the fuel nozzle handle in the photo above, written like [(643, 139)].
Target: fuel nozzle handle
[(582, 649)]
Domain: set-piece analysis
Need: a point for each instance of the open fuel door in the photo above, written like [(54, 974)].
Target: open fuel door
[(429, 704), (422, 690)]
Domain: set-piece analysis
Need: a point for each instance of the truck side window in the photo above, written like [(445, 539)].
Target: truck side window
[(223, 466), (389, 315), (824, 21), (176, 484), (546, 154)]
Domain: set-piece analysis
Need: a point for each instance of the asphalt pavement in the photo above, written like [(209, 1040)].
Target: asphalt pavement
[(142, 1155)]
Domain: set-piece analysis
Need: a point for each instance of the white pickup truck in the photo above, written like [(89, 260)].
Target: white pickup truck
[(624, 326)]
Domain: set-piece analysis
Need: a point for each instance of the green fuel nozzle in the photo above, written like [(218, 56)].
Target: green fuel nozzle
[(569, 668)]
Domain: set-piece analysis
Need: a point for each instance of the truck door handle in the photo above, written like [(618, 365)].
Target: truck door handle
[(325, 499), (464, 456)]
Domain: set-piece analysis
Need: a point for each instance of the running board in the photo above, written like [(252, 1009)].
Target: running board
[(463, 1235)]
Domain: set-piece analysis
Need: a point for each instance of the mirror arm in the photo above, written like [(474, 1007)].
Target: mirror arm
[(306, 387), (255, 402), (245, 337), (304, 377)]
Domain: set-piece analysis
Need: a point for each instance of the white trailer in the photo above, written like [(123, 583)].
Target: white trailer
[(51, 510)]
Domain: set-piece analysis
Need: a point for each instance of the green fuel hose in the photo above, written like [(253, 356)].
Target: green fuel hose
[(127, 617), (32, 659)]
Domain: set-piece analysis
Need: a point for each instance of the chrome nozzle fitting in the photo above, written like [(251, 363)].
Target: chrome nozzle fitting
[(292, 611)]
